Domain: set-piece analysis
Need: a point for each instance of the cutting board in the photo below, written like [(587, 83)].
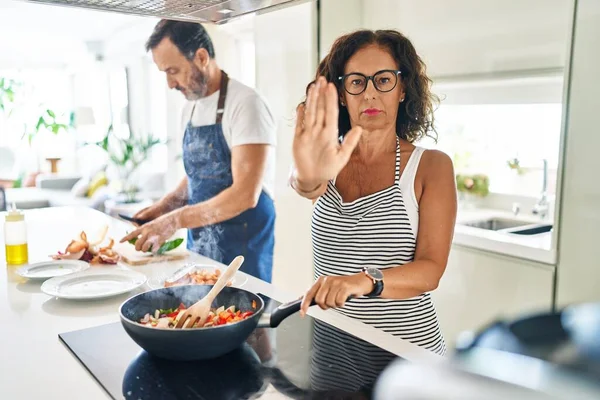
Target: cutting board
[(131, 256)]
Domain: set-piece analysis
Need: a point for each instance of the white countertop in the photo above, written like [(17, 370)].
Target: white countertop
[(537, 248), (36, 365)]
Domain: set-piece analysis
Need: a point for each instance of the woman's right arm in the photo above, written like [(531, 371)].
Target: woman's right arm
[(318, 154), (312, 193)]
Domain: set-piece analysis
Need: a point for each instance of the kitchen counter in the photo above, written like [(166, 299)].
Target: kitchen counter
[(537, 247), (35, 364)]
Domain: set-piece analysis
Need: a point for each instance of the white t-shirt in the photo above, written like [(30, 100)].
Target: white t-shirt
[(247, 119)]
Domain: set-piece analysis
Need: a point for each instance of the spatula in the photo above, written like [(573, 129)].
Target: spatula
[(198, 312)]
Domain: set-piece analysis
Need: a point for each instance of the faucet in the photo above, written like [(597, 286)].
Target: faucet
[(543, 205)]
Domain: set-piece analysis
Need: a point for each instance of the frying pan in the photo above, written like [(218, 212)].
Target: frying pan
[(197, 343)]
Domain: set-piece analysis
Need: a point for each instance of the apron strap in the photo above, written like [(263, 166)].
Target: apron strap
[(222, 96)]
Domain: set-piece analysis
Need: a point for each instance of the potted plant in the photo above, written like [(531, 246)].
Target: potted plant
[(127, 154), (471, 187), (42, 119)]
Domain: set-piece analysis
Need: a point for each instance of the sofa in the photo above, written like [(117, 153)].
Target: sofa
[(52, 190)]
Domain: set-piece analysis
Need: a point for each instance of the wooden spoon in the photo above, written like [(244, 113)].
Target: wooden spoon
[(198, 312)]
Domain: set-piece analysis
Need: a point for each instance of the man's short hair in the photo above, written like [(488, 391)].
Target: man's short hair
[(187, 36)]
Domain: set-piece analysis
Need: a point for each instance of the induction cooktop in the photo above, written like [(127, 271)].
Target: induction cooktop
[(304, 358)]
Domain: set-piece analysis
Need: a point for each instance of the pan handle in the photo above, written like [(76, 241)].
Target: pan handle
[(282, 312), (285, 310)]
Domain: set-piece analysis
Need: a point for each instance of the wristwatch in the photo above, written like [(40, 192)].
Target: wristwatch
[(377, 277)]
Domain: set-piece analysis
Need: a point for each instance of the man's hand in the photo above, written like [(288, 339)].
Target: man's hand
[(150, 236), (152, 212)]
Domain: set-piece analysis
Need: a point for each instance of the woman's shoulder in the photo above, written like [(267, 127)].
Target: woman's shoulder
[(435, 161)]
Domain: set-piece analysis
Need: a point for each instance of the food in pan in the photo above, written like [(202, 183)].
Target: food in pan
[(167, 318)]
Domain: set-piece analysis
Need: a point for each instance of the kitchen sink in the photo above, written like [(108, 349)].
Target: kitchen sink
[(533, 230), (496, 224)]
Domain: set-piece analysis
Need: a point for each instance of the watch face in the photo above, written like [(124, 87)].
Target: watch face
[(375, 273)]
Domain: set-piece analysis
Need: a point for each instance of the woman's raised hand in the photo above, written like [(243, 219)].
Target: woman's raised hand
[(318, 154)]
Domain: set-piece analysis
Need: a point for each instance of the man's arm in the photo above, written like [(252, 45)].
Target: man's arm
[(177, 198), (248, 164)]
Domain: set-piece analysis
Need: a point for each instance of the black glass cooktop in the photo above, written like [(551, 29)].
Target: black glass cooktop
[(303, 358)]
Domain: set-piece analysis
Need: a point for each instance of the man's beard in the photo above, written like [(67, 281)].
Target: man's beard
[(197, 87)]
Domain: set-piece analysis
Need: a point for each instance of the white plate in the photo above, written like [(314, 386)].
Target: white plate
[(158, 282), (52, 268), (93, 285)]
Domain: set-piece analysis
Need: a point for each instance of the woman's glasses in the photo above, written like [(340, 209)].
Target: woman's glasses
[(356, 83)]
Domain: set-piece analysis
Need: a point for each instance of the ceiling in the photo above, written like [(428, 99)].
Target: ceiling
[(36, 35)]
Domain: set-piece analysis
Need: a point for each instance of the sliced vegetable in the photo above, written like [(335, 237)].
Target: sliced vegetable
[(170, 245), (166, 246), (167, 317)]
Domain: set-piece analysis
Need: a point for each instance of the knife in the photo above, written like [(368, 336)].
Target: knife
[(137, 221)]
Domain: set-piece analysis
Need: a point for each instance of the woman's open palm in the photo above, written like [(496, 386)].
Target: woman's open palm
[(318, 154)]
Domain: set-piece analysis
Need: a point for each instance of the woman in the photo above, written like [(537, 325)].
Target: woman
[(385, 209)]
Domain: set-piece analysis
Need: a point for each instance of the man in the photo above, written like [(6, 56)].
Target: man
[(226, 198)]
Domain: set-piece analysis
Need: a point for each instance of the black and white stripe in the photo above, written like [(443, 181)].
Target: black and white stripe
[(340, 361), (374, 231)]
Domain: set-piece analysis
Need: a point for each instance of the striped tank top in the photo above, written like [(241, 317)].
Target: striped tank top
[(375, 231)]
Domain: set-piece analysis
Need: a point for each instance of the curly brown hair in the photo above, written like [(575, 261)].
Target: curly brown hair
[(415, 115)]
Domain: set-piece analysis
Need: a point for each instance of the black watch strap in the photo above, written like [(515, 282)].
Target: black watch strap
[(377, 289)]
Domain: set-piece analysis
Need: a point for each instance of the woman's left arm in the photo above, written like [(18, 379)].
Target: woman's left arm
[(437, 216)]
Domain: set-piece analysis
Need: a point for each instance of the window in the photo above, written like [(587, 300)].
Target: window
[(484, 128), (36, 91)]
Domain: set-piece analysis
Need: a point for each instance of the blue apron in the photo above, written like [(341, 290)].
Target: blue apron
[(207, 162)]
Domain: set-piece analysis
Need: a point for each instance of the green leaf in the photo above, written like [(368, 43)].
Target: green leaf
[(40, 123), (170, 245), (167, 246), (51, 113)]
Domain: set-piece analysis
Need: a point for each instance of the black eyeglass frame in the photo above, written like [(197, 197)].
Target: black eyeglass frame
[(342, 80)]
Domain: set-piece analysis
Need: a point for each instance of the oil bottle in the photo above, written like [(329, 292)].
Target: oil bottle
[(15, 237)]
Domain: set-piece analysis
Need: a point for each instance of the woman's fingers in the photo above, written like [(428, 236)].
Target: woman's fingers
[(308, 297), (340, 298), (321, 106), (321, 295), (299, 120), (332, 296), (332, 108), (311, 106), (349, 144)]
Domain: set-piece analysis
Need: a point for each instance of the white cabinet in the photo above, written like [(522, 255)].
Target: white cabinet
[(479, 287), (464, 37)]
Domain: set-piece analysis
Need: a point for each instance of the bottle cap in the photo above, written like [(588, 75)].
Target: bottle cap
[(14, 215)]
